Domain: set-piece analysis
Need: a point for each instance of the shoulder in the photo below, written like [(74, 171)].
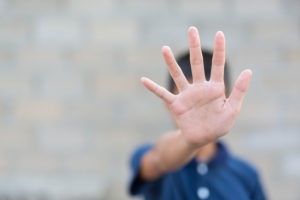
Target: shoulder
[(241, 165), (238, 168), (249, 176), (244, 171), (234, 163)]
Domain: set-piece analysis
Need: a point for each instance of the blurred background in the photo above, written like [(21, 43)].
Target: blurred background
[(72, 108)]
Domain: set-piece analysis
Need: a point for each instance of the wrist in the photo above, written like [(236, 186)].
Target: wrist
[(195, 141), (189, 145)]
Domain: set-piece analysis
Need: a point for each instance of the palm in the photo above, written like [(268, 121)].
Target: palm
[(201, 109)]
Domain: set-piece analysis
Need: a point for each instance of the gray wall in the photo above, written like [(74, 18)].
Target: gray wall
[(72, 107)]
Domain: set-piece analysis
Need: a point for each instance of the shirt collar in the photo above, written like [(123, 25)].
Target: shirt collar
[(219, 158)]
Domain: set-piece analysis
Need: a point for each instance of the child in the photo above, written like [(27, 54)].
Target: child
[(189, 163)]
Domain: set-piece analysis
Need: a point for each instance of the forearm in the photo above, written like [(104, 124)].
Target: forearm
[(170, 152)]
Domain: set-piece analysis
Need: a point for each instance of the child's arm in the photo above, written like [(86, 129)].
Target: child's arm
[(201, 110)]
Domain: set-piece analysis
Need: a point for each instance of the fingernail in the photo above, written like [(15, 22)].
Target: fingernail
[(220, 33)]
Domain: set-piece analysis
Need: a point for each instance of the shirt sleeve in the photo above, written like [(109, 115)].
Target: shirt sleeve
[(137, 186)]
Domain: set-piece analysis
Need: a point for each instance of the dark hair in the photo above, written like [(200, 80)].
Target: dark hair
[(183, 61)]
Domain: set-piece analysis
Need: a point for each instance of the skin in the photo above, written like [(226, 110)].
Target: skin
[(200, 109), (206, 152)]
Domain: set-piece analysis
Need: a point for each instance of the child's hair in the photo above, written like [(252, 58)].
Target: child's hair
[(183, 61)]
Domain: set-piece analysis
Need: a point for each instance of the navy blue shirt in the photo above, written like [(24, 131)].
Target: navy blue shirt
[(223, 177)]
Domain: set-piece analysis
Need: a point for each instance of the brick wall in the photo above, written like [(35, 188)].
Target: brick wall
[(72, 108)]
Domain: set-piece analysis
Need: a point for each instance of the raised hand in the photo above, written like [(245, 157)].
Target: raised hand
[(201, 110)]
